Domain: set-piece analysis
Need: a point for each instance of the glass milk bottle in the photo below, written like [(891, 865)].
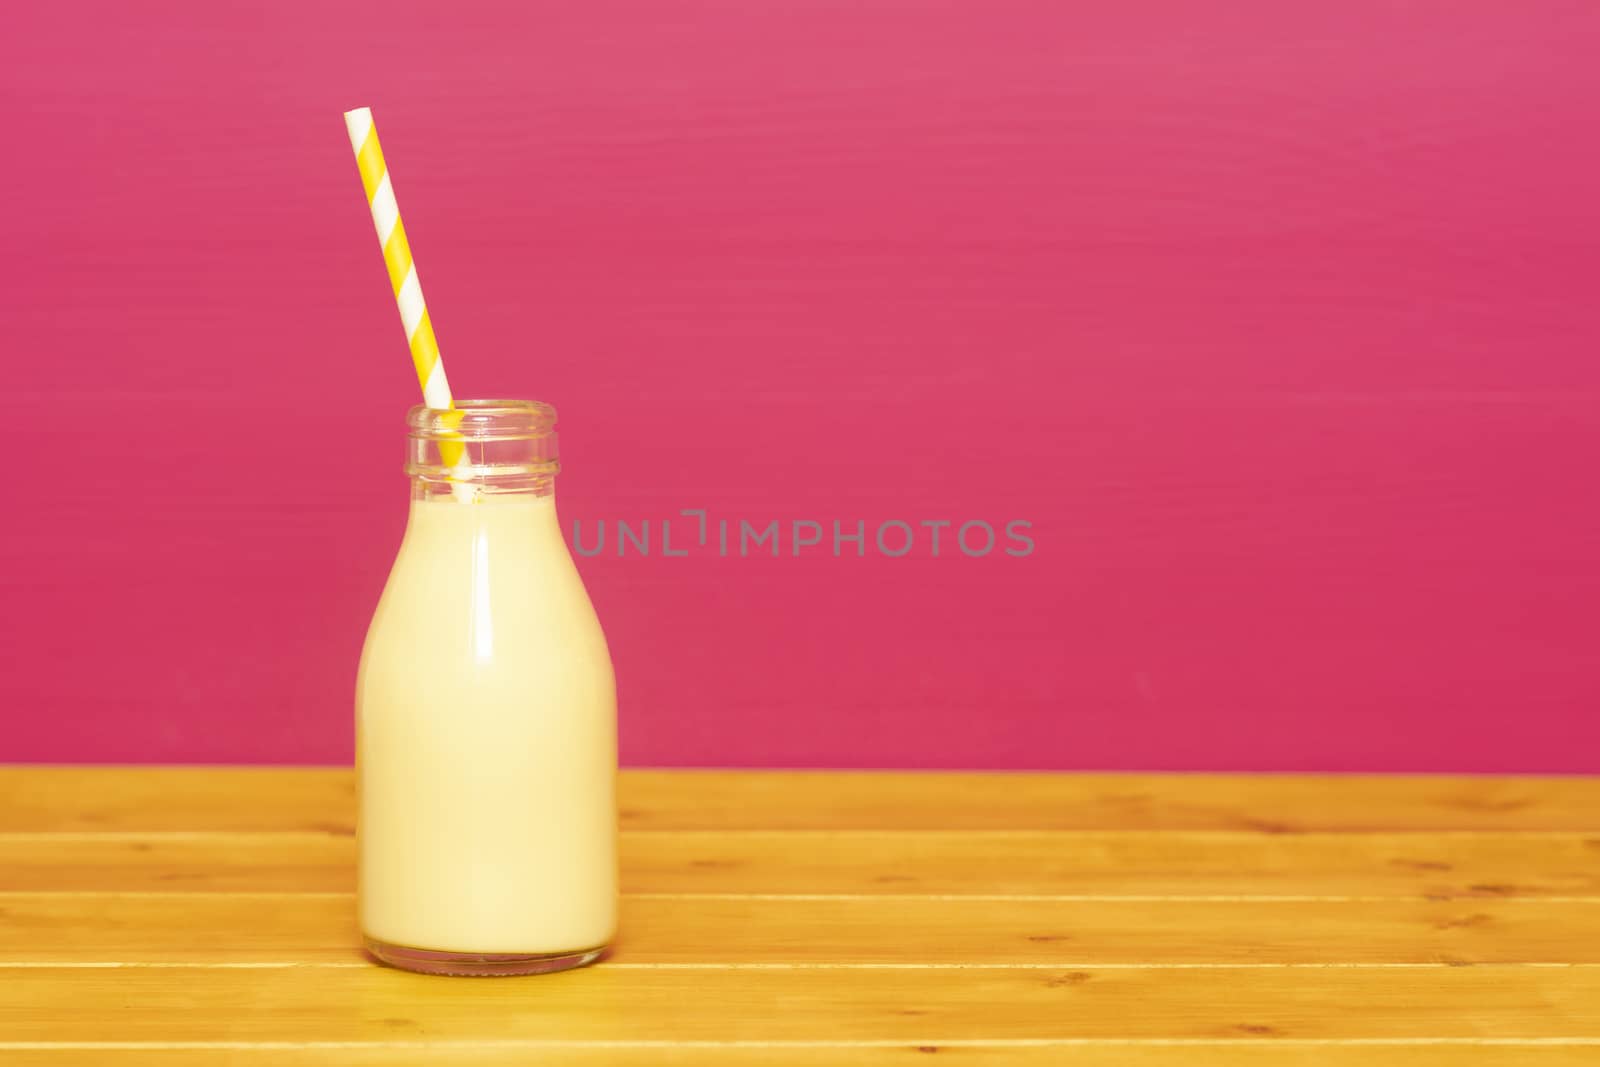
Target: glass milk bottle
[(486, 716)]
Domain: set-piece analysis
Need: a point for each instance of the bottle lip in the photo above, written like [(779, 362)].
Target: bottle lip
[(483, 420)]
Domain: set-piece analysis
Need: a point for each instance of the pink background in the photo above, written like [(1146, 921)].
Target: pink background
[(1279, 321)]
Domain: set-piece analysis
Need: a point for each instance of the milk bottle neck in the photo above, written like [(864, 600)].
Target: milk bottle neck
[(482, 448)]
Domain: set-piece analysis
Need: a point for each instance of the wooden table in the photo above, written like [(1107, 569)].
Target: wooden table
[(178, 917)]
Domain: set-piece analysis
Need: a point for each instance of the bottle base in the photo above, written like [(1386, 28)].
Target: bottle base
[(477, 964)]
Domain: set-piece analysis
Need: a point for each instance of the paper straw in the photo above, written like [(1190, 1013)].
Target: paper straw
[(402, 272)]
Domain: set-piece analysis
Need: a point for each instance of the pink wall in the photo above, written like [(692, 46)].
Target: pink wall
[(1278, 321)]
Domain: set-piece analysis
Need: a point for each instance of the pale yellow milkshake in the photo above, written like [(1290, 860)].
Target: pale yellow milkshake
[(486, 721)]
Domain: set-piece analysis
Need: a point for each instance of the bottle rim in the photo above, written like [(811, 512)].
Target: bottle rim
[(483, 420)]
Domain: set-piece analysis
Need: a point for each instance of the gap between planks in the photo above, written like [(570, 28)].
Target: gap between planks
[(1110, 1055), (975, 1043), (1061, 898), (843, 831), (1066, 965)]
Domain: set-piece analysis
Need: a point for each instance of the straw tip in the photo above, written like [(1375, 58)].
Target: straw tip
[(358, 124)]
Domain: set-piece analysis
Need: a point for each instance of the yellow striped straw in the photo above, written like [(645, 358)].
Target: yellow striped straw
[(402, 271), (397, 257)]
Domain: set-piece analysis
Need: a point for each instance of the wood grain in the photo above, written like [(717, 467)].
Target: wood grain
[(809, 1005), (1466, 1053), (224, 928), (1066, 863), (323, 800), (205, 915)]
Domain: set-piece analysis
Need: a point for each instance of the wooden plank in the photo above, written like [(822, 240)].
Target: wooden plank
[(1268, 803), (84, 798), (1181, 863), (233, 928), (1187, 863), (322, 799), (207, 862), (914, 1006), (1468, 1053)]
